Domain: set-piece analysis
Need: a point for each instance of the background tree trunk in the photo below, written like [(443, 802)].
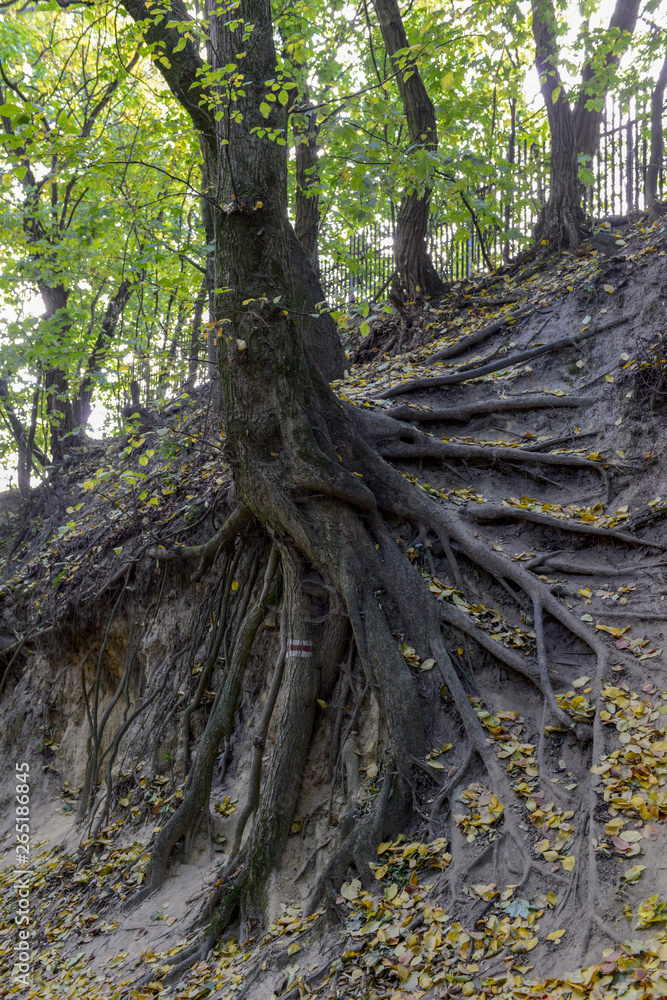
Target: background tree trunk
[(25, 439), (59, 410), (82, 404), (657, 144), (307, 201), (208, 190), (597, 76), (562, 218), (413, 262), (195, 333), (511, 153)]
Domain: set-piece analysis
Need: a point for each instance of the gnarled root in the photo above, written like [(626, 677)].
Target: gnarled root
[(464, 412), (219, 725)]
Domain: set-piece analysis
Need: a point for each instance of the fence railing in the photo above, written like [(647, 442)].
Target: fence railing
[(363, 271)]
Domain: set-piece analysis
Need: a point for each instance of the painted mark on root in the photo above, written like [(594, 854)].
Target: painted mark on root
[(300, 647)]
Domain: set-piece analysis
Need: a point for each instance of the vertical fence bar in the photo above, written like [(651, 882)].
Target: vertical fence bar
[(629, 181), (639, 173)]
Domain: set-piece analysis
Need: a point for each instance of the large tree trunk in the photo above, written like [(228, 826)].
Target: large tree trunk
[(562, 218), (300, 464), (652, 204), (597, 76), (183, 77), (413, 262)]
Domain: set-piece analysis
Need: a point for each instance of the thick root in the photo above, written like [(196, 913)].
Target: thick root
[(494, 512), (398, 441), (480, 336), (507, 361), (412, 413)]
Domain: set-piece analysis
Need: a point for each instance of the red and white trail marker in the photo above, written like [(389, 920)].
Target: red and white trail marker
[(300, 647)]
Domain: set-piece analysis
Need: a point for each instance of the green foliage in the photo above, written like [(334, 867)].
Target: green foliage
[(92, 154)]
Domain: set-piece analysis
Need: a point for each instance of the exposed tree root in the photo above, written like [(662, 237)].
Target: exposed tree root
[(485, 453), (508, 361), (487, 513), (361, 836), (258, 745), (113, 751), (554, 442), (480, 336), (341, 569), (447, 791), (551, 562), (412, 413), (207, 551), (397, 441), (96, 725), (197, 791), (212, 658), (462, 622)]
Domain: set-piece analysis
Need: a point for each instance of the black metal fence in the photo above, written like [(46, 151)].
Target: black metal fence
[(364, 269)]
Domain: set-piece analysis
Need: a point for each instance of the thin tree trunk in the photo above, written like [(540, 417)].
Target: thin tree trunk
[(413, 262), (60, 414), (511, 150), (562, 218), (307, 201), (25, 442), (657, 144), (195, 334), (208, 190), (598, 74), (82, 404)]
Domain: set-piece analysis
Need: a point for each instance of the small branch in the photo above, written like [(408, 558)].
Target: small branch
[(480, 237)]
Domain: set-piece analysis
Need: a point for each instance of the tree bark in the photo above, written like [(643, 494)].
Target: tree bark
[(413, 262), (25, 440), (597, 76), (657, 144), (562, 218), (511, 152)]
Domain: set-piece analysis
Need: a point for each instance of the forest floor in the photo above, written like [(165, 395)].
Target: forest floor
[(543, 400)]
